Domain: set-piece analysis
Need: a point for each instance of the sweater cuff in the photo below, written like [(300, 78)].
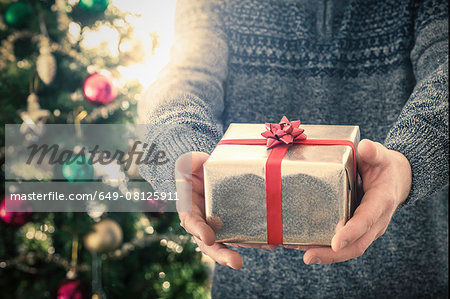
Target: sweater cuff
[(173, 142), (428, 159)]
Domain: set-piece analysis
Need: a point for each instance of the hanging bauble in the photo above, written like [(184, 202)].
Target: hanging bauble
[(99, 90), (106, 236), (46, 65), (15, 219), (78, 169), (72, 289), (94, 6), (17, 14)]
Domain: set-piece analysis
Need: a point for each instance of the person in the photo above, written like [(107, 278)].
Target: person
[(382, 65)]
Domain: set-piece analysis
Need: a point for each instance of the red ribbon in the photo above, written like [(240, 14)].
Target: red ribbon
[(273, 179)]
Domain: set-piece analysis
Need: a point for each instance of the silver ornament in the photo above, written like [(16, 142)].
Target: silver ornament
[(46, 65), (34, 117)]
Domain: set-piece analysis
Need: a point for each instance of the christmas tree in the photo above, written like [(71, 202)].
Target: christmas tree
[(69, 62)]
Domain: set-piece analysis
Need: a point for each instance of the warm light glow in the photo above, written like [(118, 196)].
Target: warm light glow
[(103, 37), (151, 17), (74, 32)]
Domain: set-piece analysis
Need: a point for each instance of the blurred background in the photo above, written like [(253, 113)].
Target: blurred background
[(87, 61)]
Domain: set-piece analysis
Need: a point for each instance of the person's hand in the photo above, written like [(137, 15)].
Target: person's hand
[(189, 170), (386, 176)]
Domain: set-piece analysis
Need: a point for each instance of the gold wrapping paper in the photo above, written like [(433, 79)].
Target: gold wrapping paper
[(317, 183)]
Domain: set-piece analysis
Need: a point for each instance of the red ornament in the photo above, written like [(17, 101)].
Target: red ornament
[(72, 289), (99, 90), (15, 219)]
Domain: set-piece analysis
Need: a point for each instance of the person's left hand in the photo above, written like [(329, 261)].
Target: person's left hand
[(386, 176)]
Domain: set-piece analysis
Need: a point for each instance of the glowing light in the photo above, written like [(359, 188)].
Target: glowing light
[(148, 17), (166, 285), (144, 221), (74, 32), (171, 244), (104, 37), (38, 235)]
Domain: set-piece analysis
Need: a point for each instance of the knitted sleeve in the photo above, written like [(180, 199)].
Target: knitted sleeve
[(182, 109), (421, 132)]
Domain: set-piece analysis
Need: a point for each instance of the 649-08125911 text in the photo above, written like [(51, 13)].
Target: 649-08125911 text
[(101, 196)]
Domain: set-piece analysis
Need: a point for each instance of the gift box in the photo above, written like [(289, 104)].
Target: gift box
[(281, 183)]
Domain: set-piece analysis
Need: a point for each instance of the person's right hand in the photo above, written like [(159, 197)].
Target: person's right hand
[(189, 170)]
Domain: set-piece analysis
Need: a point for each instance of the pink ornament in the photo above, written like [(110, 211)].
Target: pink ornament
[(15, 219), (72, 289), (99, 90)]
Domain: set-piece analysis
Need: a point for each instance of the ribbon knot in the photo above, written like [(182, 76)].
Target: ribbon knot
[(284, 132)]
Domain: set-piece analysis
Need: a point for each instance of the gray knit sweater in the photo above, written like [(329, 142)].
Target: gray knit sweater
[(382, 65)]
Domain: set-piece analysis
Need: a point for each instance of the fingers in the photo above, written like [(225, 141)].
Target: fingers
[(189, 183), (374, 206), (326, 255), (193, 221), (196, 226), (221, 254)]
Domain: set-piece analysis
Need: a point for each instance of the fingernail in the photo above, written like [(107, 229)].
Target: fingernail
[(343, 244), (315, 260)]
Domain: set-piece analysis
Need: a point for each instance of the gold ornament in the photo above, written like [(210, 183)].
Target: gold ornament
[(106, 236)]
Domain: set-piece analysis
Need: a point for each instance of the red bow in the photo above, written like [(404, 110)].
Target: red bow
[(285, 132)]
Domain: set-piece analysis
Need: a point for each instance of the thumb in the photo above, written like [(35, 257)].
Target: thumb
[(371, 153), (189, 164)]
